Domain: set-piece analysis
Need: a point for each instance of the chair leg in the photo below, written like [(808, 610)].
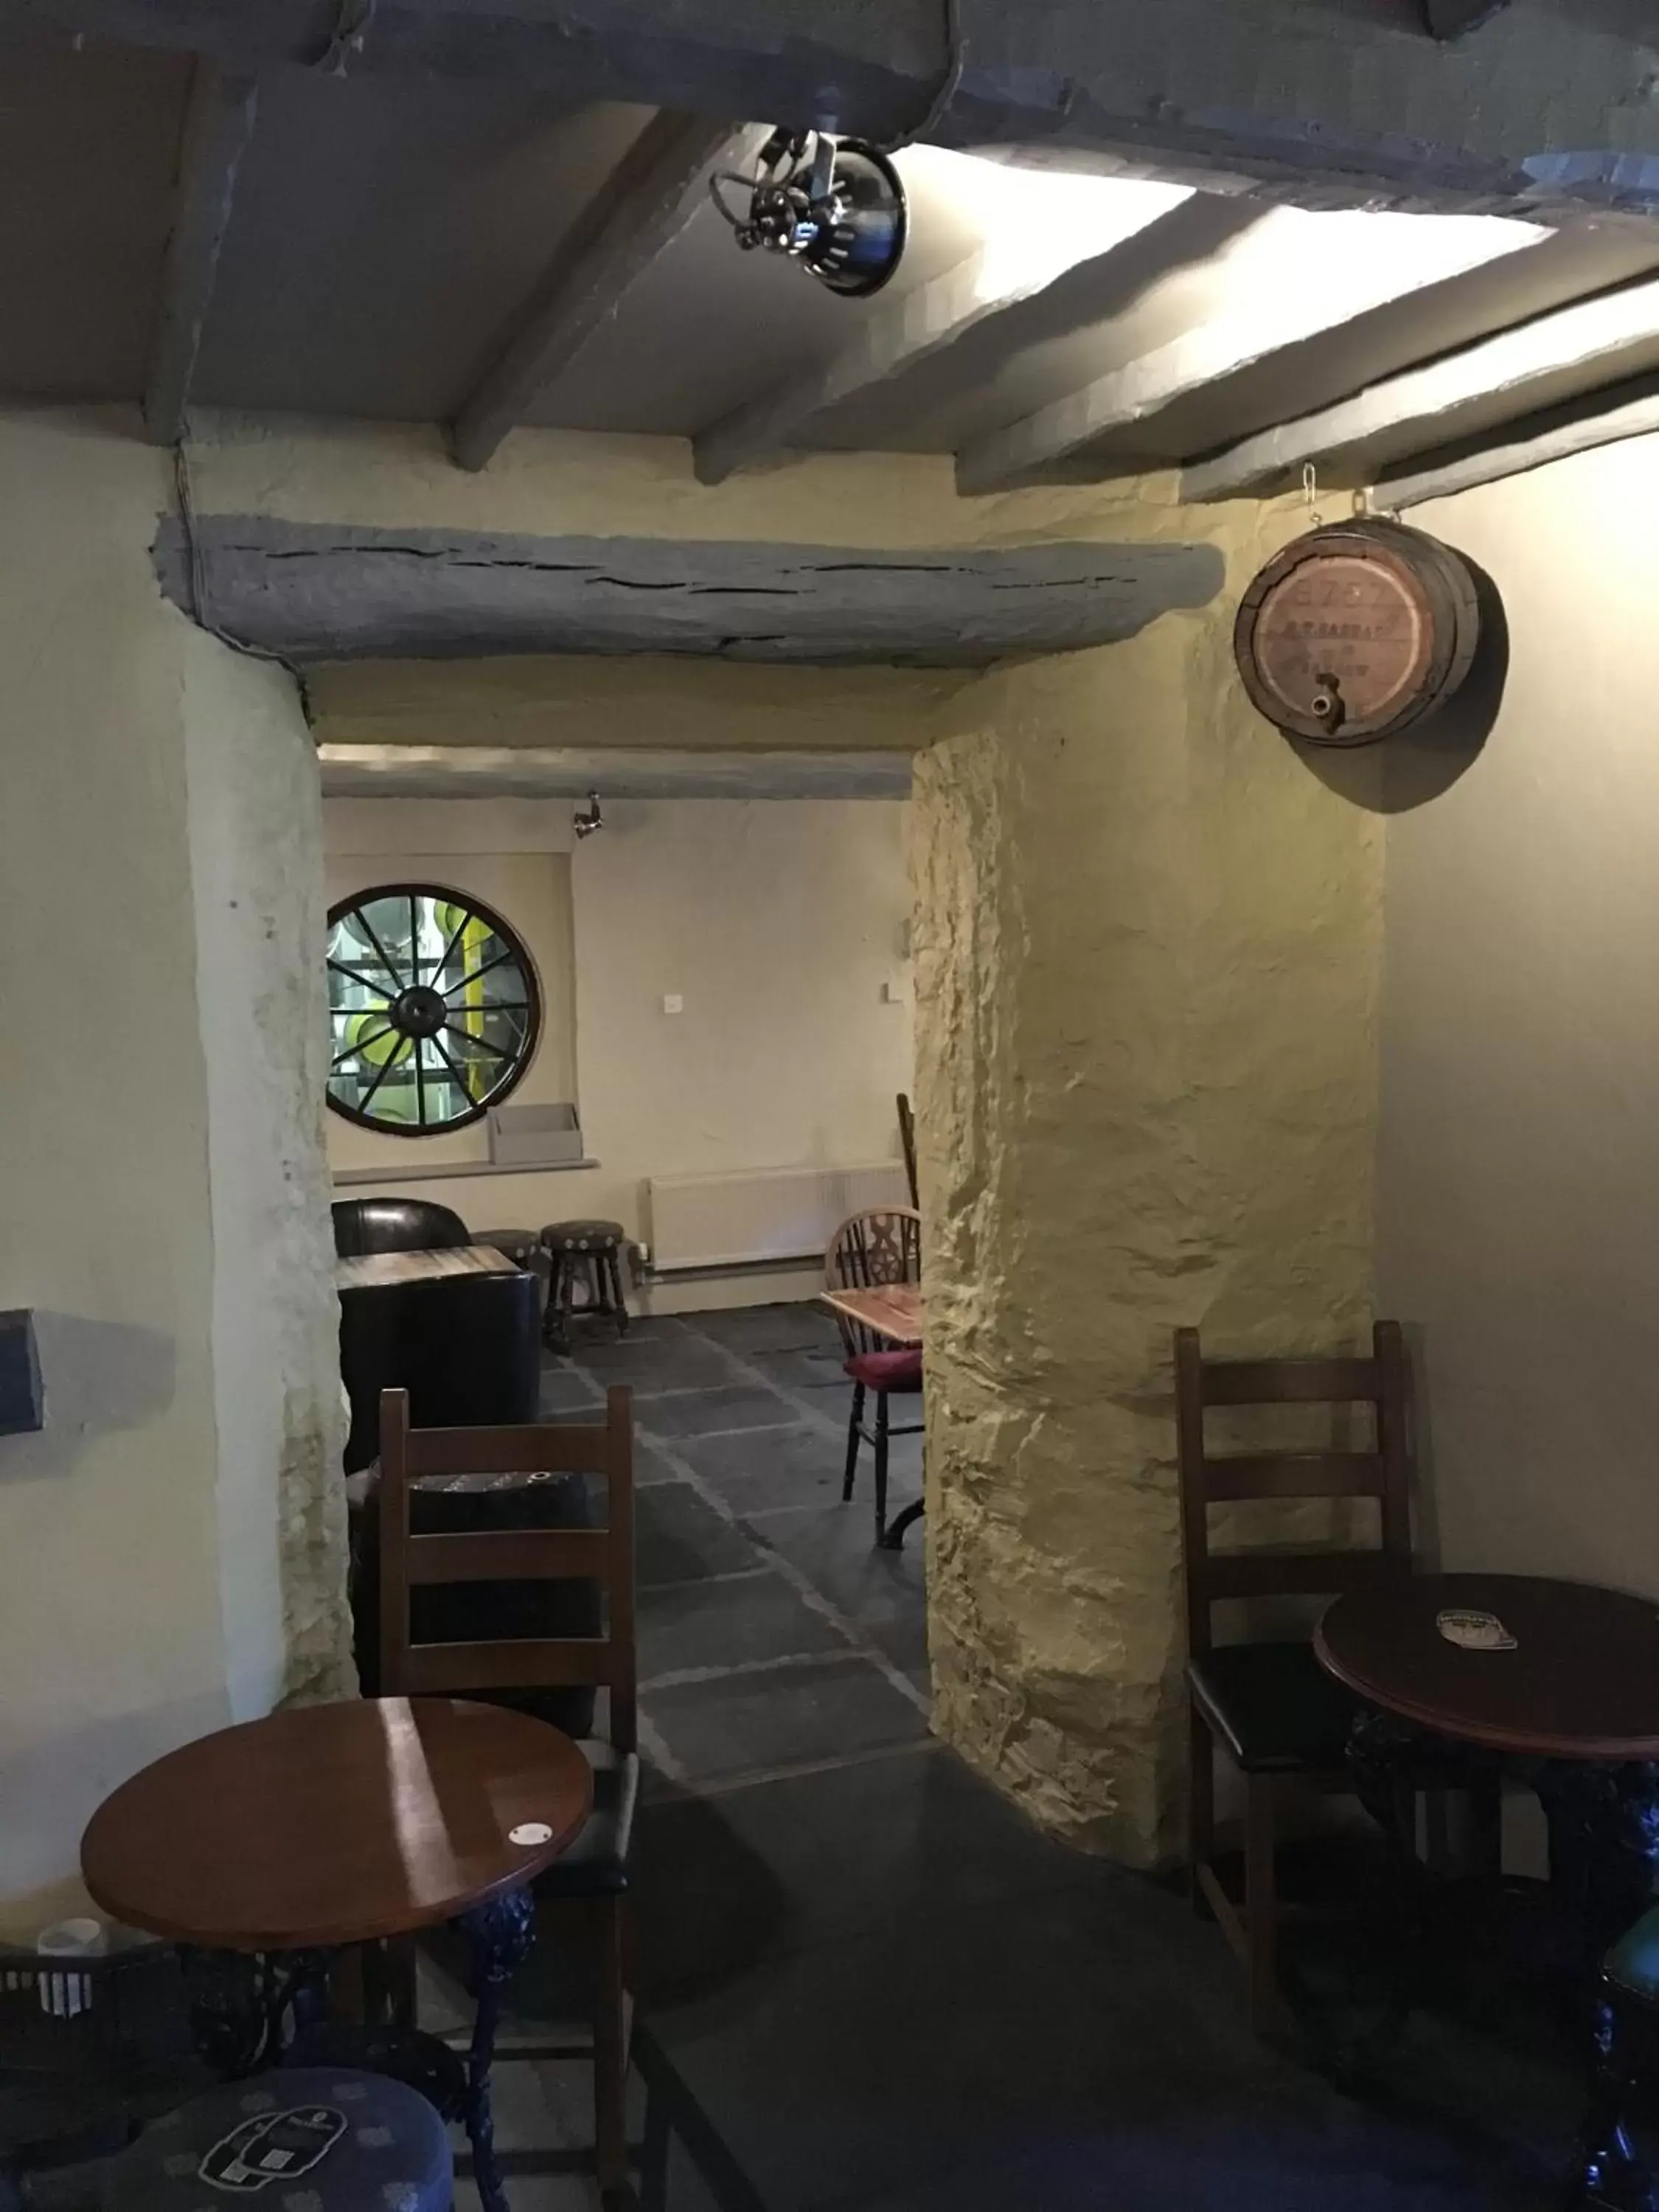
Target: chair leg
[(1200, 1804), (854, 1434), (555, 1329), (613, 1266), (1262, 1903), (1606, 2159), (610, 2051), (881, 1467)]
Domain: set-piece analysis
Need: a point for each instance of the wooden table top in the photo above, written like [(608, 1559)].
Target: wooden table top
[(1582, 1681), (373, 1271), (335, 1824), (897, 1311)]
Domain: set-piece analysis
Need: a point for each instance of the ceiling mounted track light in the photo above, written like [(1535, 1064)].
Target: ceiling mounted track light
[(835, 205)]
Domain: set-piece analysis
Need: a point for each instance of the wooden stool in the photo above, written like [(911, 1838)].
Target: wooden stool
[(521, 1246), (591, 1252)]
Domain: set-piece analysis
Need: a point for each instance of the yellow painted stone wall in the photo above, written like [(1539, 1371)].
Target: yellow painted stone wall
[(1148, 945)]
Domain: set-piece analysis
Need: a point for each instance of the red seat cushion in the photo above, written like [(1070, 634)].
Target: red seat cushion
[(887, 1370)]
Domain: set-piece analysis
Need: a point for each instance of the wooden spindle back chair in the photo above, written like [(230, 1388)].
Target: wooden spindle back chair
[(870, 1251)]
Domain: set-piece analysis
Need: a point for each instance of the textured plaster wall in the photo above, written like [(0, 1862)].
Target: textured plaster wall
[(255, 819), (1518, 1226), (140, 1562), (1147, 965)]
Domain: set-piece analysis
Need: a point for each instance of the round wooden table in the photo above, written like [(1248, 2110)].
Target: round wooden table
[(1581, 1682), (1571, 1712), (330, 1825)]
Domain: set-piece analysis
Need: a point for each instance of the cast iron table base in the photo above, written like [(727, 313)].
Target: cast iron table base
[(249, 2011), (1604, 1862)]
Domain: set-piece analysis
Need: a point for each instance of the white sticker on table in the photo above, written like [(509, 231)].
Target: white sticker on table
[(1475, 1631), (530, 1832)]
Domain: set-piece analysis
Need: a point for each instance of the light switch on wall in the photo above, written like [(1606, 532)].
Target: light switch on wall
[(673, 1004)]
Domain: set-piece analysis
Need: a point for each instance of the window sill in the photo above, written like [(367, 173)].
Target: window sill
[(345, 1177)]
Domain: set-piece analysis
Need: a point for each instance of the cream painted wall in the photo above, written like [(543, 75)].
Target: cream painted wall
[(141, 1556), (780, 923), (1519, 1163), (255, 823)]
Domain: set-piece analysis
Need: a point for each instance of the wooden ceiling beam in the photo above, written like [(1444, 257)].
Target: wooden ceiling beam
[(1550, 104), (641, 209), (219, 119), (910, 328), (1604, 418), (316, 592), (1537, 365), (400, 771), (1307, 278), (1450, 19)]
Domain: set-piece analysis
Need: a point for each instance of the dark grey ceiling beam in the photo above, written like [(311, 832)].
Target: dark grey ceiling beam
[(1333, 102), (1538, 364), (1450, 19), (316, 592), (218, 124), (907, 329), (1602, 418), (656, 190)]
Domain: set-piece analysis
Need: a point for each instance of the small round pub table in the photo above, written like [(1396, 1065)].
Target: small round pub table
[(1563, 1693), (264, 1850)]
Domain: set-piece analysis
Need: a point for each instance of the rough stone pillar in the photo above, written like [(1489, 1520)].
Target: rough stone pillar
[(1147, 964)]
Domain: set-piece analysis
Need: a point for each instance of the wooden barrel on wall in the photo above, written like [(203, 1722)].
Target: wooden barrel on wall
[(1357, 630)]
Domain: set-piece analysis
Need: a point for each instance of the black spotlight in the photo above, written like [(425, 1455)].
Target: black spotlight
[(836, 205)]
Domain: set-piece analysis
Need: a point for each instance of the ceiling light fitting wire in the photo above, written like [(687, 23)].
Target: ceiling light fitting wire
[(955, 60)]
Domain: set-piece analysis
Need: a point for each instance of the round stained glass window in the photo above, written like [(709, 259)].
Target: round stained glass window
[(434, 1011)]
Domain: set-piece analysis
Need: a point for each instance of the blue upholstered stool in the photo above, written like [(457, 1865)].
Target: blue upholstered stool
[(304, 2140)]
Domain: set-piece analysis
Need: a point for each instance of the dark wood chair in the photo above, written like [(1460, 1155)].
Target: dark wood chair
[(1270, 1705), (907, 1121), (867, 1252), (591, 1878)]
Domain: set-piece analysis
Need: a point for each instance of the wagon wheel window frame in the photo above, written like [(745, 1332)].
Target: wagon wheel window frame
[(438, 1004)]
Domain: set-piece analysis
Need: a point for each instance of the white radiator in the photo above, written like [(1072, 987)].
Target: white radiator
[(767, 1214)]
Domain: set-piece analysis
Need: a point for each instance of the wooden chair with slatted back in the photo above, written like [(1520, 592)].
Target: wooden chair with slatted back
[(591, 1876), (1271, 1705)]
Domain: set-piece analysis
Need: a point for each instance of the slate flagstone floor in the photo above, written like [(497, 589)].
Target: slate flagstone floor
[(869, 1985)]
